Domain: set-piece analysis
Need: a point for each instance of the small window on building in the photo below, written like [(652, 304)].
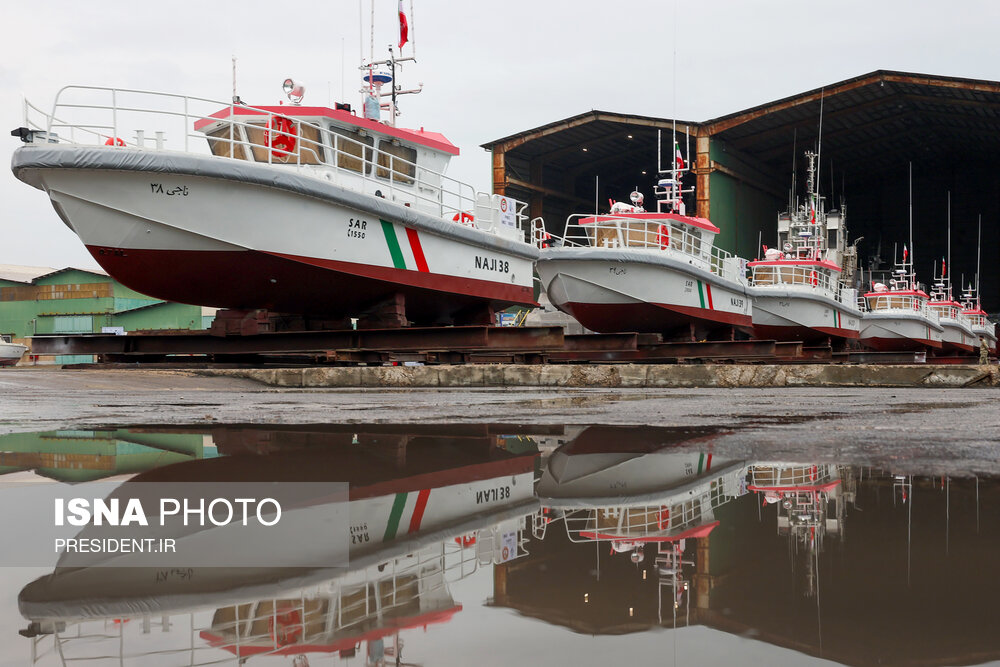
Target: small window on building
[(224, 144), (831, 238), (353, 151), (396, 161)]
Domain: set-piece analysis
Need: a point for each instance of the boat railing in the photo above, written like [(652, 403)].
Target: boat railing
[(950, 312), (121, 118), (625, 523), (889, 301), (659, 235), (785, 475), (802, 276)]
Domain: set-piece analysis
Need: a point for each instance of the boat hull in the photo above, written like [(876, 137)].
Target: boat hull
[(899, 331), (11, 353), (786, 315), (204, 230), (958, 337), (611, 291)]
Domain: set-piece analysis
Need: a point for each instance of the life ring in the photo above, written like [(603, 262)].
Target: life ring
[(114, 141), (663, 236), (285, 626), (464, 217), (284, 139), (465, 541)]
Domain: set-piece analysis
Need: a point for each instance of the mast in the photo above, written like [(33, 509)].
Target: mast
[(913, 275), (979, 256), (944, 269)]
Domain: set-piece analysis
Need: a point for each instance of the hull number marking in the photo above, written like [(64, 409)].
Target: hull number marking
[(492, 495)]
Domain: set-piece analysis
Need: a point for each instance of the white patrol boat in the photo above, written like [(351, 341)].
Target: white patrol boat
[(898, 316), (10, 352), (651, 272), (306, 210), (981, 326), (804, 290)]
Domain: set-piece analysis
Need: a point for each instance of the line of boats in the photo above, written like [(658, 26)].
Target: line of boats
[(331, 215)]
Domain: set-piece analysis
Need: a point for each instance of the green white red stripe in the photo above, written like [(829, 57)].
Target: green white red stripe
[(396, 249), (703, 290), (396, 513)]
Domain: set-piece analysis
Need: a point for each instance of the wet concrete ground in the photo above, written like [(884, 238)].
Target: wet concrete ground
[(950, 430)]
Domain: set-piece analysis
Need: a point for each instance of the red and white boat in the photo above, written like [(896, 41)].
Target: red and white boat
[(981, 326), (972, 309), (307, 210), (957, 334), (803, 291), (898, 316), (10, 352), (652, 272)]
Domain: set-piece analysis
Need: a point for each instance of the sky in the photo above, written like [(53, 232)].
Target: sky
[(489, 69)]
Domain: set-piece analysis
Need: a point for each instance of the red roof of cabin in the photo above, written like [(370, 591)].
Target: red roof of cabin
[(433, 140), (700, 223)]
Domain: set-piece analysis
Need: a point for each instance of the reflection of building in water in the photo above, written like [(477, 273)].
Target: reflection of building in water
[(87, 455), (810, 506), (427, 509)]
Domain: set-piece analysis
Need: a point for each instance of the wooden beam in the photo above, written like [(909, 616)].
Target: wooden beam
[(548, 192), (739, 119)]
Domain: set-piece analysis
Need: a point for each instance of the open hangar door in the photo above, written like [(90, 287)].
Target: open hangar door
[(874, 127)]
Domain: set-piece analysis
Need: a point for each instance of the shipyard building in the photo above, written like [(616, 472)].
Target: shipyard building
[(43, 300), (874, 127)]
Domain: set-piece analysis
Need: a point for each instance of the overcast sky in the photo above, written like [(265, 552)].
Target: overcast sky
[(489, 69)]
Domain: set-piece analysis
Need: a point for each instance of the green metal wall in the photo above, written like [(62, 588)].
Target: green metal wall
[(740, 210), (126, 308)]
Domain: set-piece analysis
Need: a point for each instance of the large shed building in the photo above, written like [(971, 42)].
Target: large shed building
[(874, 127)]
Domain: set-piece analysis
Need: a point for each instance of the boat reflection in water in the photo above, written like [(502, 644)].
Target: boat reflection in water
[(810, 502), (598, 530), (427, 507)]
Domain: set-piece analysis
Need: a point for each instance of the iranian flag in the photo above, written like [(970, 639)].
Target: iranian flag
[(678, 158), (906, 253), (944, 268), (404, 28)]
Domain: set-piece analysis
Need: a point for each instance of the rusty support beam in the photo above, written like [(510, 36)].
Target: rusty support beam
[(749, 180), (548, 192), (725, 123), (429, 339), (499, 171), (703, 169)]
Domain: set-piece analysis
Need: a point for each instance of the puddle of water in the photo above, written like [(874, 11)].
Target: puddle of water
[(588, 541)]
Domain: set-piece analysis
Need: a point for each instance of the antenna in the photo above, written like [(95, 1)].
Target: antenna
[(944, 269), (819, 139), (979, 256), (791, 198), (913, 277)]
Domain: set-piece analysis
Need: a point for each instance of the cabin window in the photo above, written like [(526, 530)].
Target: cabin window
[(831, 239), (308, 149), (396, 161), (224, 144), (353, 151), (310, 144)]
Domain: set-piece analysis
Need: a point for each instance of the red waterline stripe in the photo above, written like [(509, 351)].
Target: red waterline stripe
[(708, 288), (418, 511), (418, 250)]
